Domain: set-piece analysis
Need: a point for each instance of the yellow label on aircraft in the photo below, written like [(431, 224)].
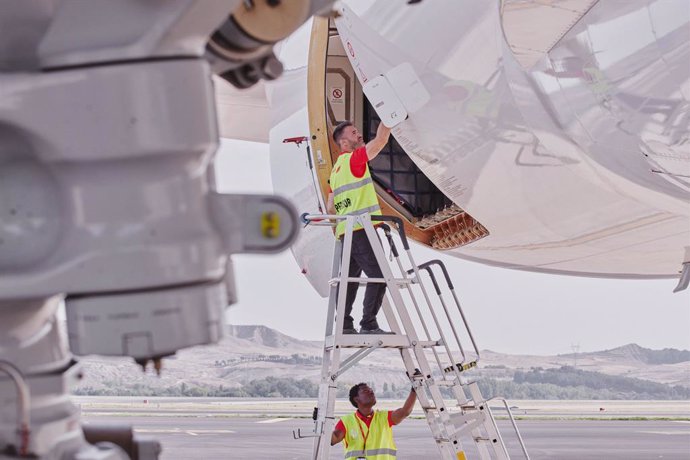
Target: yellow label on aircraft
[(270, 225)]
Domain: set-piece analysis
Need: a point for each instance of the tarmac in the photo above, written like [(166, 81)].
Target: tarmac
[(200, 428)]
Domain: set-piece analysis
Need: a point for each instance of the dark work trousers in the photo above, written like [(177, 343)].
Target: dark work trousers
[(362, 259)]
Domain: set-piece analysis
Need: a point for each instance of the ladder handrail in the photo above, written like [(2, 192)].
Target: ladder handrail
[(427, 266), (445, 308), (394, 250), (400, 227), (512, 420), (449, 352), (327, 220)]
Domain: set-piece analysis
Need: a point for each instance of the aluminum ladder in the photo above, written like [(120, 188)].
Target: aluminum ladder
[(466, 415)]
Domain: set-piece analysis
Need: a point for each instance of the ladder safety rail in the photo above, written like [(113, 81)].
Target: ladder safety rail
[(391, 243), (457, 389), (427, 266), (434, 316), (323, 220), (457, 369), (400, 227), (443, 268), (514, 423), (394, 251)]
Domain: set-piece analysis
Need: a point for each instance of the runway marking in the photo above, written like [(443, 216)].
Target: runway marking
[(681, 421), (178, 430), (274, 420), (684, 433)]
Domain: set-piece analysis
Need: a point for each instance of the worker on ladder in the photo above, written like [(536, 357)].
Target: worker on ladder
[(368, 434), (352, 192)]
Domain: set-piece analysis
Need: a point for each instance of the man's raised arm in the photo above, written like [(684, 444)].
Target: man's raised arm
[(398, 415), (377, 144)]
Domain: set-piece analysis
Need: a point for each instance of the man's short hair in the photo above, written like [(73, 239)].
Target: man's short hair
[(354, 391), (338, 131)]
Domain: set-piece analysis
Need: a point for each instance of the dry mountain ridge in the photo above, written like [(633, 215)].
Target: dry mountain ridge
[(256, 352), (632, 351)]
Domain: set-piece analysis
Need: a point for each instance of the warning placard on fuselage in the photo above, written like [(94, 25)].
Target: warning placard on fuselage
[(384, 100)]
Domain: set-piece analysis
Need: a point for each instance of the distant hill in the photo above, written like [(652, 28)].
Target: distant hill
[(635, 352), (262, 335), (260, 361)]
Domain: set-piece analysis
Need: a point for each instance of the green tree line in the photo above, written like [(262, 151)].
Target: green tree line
[(563, 383)]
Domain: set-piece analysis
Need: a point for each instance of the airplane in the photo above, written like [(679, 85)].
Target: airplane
[(543, 136), (549, 137)]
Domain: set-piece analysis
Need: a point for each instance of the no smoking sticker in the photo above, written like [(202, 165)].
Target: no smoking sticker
[(336, 95)]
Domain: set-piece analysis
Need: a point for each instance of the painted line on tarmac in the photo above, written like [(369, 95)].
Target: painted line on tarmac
[(179, 431), (274, 420), (684, 433)]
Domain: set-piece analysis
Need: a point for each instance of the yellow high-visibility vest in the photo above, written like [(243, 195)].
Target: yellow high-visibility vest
[(379, 438), (351, 194)]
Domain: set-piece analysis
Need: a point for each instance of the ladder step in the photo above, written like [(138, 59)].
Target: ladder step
[(441, 440), (447, 383), (404, 282), (429, 408), (469, 407), (368, 340), (480, 440)]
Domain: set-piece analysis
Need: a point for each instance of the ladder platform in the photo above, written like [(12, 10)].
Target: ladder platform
[(377, 340), (365, 281)]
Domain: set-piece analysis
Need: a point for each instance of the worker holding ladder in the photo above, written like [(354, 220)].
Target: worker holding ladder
[(368, 434)]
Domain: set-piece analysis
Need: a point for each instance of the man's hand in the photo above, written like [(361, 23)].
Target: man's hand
[(398, 415), (379, 142), (337, 436)]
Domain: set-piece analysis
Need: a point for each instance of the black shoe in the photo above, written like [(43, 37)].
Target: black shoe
[(377, 330), (350, 330)]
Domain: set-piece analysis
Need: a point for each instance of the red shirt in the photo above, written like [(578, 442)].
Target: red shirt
[(358, 163), (340, 426)]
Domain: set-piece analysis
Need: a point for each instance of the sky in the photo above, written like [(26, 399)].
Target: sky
[(509, 311)]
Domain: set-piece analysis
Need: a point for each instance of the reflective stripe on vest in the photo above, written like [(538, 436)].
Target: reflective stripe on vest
[(352, 195), (379, 438), (352, 186), (370, 453)]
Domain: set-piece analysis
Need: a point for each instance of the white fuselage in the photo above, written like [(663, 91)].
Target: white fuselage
[(575, 158)]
